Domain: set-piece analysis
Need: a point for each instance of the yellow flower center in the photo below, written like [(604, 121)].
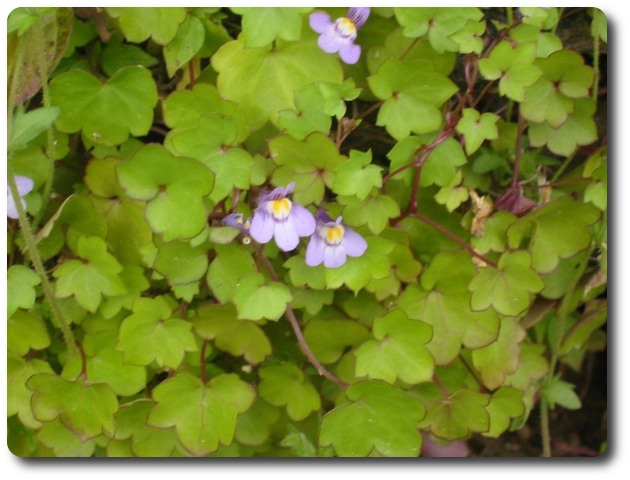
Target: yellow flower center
[(279, 209), (346, 27), (333, 235)]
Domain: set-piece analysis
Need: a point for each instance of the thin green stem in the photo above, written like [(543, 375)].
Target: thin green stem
[(563, 167), (50, 144), (36, 259), (544, 428)]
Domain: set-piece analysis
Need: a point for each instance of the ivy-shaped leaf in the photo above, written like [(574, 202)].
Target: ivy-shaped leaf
[(328, 339), (231, 264), (442, 300), (237, 337), (261, 25), (18, 395), (285, 386), (459, 415), (508, 288), (477, 128), (255, 426), (439, 23), (311, 164), (204, 415), (85, 409), (88, 279), (561, 231), (105, 113), (150, 334), (532, 366), (263, 82), (559, 392), (21, 293), (399, 351), (579, 129), (173, 188), (514, 68), (141, 23), (182, 263), (413, 94), (501, 357), (187, 42), (377, 418), (64, 442), (144, 440), (26, 332), (357, 176), (506, 403), (375, 211), (256, 300)]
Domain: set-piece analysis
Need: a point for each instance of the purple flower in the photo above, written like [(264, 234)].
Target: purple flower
[(339, 36), (24, 186), (280, 218), (332, 241), (236, 220)]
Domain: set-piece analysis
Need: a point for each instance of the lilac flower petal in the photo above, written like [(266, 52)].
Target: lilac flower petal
[(302, 220), (329, 42), (350, 53), (262, 227), (358, 15), (24, 184), (286, 236), (11, 207), (323, 217), (315, 251), (320, 22), (353, 243), (334, 256), (289, 188), (236, 220)]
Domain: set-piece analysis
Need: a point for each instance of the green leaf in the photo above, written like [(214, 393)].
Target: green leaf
[(357, 176), (501, 357), (442, 300), (184, 108), (438, 22), (173, 187), (256, 300), (204, 415), (399, 351), (261, 25), (514, 68), (181, 263), (88, 280), (311, 164), (453, 194), (533, 365), (561, 231), (141, 23), (357, 272), (285, 386), (561, 393), (594, 316), (21, 293), (459, 415), (145, 440), (63, 441), (105, 113), (506, 403), (579, 129), (25, 333), (508, 288), (188, 41), (19, 371), (477, 128), (150, 334), (27, 126), (302, 274), (413, 94), (329, 339), (255, 426), (85, 409), (263, 82), (470, 37), (231, 264), (237, 337), (120, 55), (374, 211), (377, 418)]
